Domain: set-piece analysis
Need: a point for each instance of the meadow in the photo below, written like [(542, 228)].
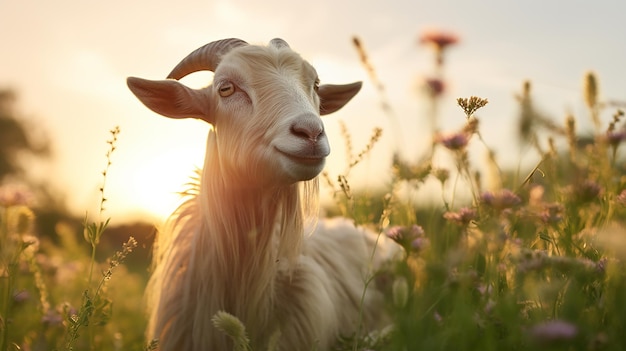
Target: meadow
[(507, 259)]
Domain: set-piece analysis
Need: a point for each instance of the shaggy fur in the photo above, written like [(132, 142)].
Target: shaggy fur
[(240, 243)]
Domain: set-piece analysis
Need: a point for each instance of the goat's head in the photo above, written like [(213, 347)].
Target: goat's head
[(264, 104)]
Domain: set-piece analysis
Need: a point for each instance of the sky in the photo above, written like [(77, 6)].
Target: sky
[(68, 61)]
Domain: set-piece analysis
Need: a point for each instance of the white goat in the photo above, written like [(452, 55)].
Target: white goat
[(240, 244)]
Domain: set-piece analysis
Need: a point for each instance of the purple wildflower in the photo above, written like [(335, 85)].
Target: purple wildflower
[(395, 233), (463, 217), (587, 191), (552, 213), (454, 142), (501, 200), (435, 86), (406, 236), (21, 296), (419, 244), (614, 138), (15, 196), (52, 317), (621, 198), (552, 331)]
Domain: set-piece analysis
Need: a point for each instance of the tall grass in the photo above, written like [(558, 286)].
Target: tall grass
[(50, 299), (535, 263)]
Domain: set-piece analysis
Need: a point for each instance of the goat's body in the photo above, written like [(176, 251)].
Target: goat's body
[(239, 245), (248, 259)]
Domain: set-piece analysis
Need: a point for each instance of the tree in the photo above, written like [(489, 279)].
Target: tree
[(16, 139)]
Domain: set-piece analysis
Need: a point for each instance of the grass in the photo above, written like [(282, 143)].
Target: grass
[(51, 298), (528, 261)]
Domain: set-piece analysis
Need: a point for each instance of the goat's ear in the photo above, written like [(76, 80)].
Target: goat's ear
[(334, 97), (171, 98)]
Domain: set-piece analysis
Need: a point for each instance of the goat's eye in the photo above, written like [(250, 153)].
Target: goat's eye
[(226, 89), (316, 85)]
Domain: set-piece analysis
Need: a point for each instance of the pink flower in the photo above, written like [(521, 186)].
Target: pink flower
[(621, 198), (614, 138), (454, 142), (587, 191), (435, 86), (501, 200), (439, 39), (552, 331), (463, 217), (15, 196), (52, 317), (552, 213), (419, 244), (408, 237)]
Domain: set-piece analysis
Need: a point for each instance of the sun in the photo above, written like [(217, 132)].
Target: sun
[(152, 184)]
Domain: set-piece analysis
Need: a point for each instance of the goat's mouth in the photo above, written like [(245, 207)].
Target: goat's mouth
[(304, 159)]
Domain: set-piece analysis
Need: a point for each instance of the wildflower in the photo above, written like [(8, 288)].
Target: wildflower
[(454, 142), (435, 86), (504, 199), (621, 198), (406, 236), (440, 40), (419, 244), (601, 265), (463, 217), (52, 317), (120, 256), (552, 213), (614, 138), (15, 196), (587, 191), (21, 296), (437, 317), (552, 331)]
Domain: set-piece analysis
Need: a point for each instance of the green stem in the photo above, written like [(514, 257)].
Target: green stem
[(6, 296), (370, 276)]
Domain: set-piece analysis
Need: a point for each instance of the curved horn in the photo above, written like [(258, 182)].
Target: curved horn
[(278, 43), (205, 58)]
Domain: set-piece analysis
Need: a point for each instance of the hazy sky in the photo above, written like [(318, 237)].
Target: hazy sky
[(68, 61)]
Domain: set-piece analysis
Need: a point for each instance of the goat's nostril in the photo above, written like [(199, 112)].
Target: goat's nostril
[(306, 130)]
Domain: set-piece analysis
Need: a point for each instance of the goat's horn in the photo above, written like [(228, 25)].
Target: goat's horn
[(279, 43), (205, 58)]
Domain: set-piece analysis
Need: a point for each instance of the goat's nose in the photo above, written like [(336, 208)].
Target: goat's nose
[(307, 128)]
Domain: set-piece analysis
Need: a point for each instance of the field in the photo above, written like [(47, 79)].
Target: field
[(526, 260)]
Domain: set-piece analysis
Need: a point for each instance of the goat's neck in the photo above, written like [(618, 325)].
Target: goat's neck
[(247, 235)]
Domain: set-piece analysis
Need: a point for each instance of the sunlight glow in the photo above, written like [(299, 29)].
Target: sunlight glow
[(155, 183)]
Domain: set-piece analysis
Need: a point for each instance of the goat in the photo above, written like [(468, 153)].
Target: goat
[(239, 244)]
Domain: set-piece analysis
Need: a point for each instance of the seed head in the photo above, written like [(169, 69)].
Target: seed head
[(471, 104), (591, 89)]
